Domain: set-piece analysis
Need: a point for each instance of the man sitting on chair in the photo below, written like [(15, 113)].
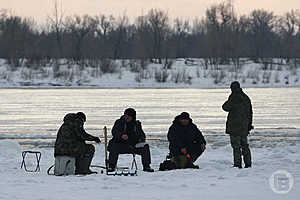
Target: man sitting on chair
[(70, 141), (128, 138)]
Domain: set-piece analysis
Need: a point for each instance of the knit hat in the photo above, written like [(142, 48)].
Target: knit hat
[(184, 115), (82, 116), (130, 112), (235, 85)]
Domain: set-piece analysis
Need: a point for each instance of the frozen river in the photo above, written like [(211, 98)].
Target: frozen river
[(33, 115)]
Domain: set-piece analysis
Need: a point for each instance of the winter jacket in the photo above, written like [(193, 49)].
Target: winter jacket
[(180, 136), (71, 137), (240, 114), (133, 129)]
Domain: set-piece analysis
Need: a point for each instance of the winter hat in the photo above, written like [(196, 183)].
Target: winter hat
[(235, 85), (130, 112), (184, 115), (82, 116), (70, 117)]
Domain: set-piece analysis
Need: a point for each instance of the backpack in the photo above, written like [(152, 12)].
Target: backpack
[(167, 165)]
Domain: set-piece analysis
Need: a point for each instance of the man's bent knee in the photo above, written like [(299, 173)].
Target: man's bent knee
[(90, 149)]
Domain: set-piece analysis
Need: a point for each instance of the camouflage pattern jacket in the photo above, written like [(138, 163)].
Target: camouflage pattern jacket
[(239, 119), (71, 137)]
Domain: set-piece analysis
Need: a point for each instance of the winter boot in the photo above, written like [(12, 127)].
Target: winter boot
[(83, 165), (148, 169), (237, 166), (194, 166), (110, 169)]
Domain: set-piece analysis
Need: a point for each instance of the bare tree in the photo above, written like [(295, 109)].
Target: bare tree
[(262, 27), (15, 35), (288, 30), (104, 26), (56, 23), (79, 28), (144, 41), (181, 30), (220, 37), (159, 25), (119, 36)]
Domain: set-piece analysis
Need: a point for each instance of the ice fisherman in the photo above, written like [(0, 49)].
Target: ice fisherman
[(239, 124), (128, 138), (186, 142), (70, 142)]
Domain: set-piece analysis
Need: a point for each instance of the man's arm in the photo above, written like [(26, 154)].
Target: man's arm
[(199, 135), (250, 114), (172, 137), (140, 132), (85, 136), (117, 130), (227, 106), (233, 102)]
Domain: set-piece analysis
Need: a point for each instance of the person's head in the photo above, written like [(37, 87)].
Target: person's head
[(235, 87), (81, 116), (184, 118), (129, 114), (70, 117)]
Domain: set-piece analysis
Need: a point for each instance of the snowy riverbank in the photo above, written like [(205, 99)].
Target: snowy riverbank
[(180, 73), (215, 179)]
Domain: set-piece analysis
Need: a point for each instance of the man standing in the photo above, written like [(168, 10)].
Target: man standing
[(186, 141), (71, 139), (128, 138), (239, 123)]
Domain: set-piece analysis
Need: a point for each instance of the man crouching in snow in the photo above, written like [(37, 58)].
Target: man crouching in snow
[(128, 138), (186, 141), (70, 142)]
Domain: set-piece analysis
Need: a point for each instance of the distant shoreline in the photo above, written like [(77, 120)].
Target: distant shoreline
[(134, 88)]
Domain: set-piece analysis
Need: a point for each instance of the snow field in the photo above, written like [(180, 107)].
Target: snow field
[(215, 179)]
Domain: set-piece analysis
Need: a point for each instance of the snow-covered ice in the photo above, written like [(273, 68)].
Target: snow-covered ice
[(32, 117), (214, 180)]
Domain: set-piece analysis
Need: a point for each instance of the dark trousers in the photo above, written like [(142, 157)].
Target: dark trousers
[(84, 161), (240, 147), (120, 148)]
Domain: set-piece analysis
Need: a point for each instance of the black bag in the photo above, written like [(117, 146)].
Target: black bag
[(167, 165)]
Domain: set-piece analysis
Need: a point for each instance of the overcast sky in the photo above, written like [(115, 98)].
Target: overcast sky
[(40, 9)]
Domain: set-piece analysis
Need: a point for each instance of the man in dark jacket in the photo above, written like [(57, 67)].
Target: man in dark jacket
[(71, 139), (186, 141), (128, 138), (239, 123)]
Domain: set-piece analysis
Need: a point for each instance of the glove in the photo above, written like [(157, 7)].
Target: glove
[(97, 140)]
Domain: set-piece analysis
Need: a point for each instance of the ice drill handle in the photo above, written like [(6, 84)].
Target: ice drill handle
[(105, 143)]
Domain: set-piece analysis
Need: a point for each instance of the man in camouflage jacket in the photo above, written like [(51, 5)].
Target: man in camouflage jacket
[(239, 123), (71, 139)]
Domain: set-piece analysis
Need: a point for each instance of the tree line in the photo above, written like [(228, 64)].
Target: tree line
[(220, 35)]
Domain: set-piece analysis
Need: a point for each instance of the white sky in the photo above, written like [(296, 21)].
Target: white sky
[(40, 9)]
